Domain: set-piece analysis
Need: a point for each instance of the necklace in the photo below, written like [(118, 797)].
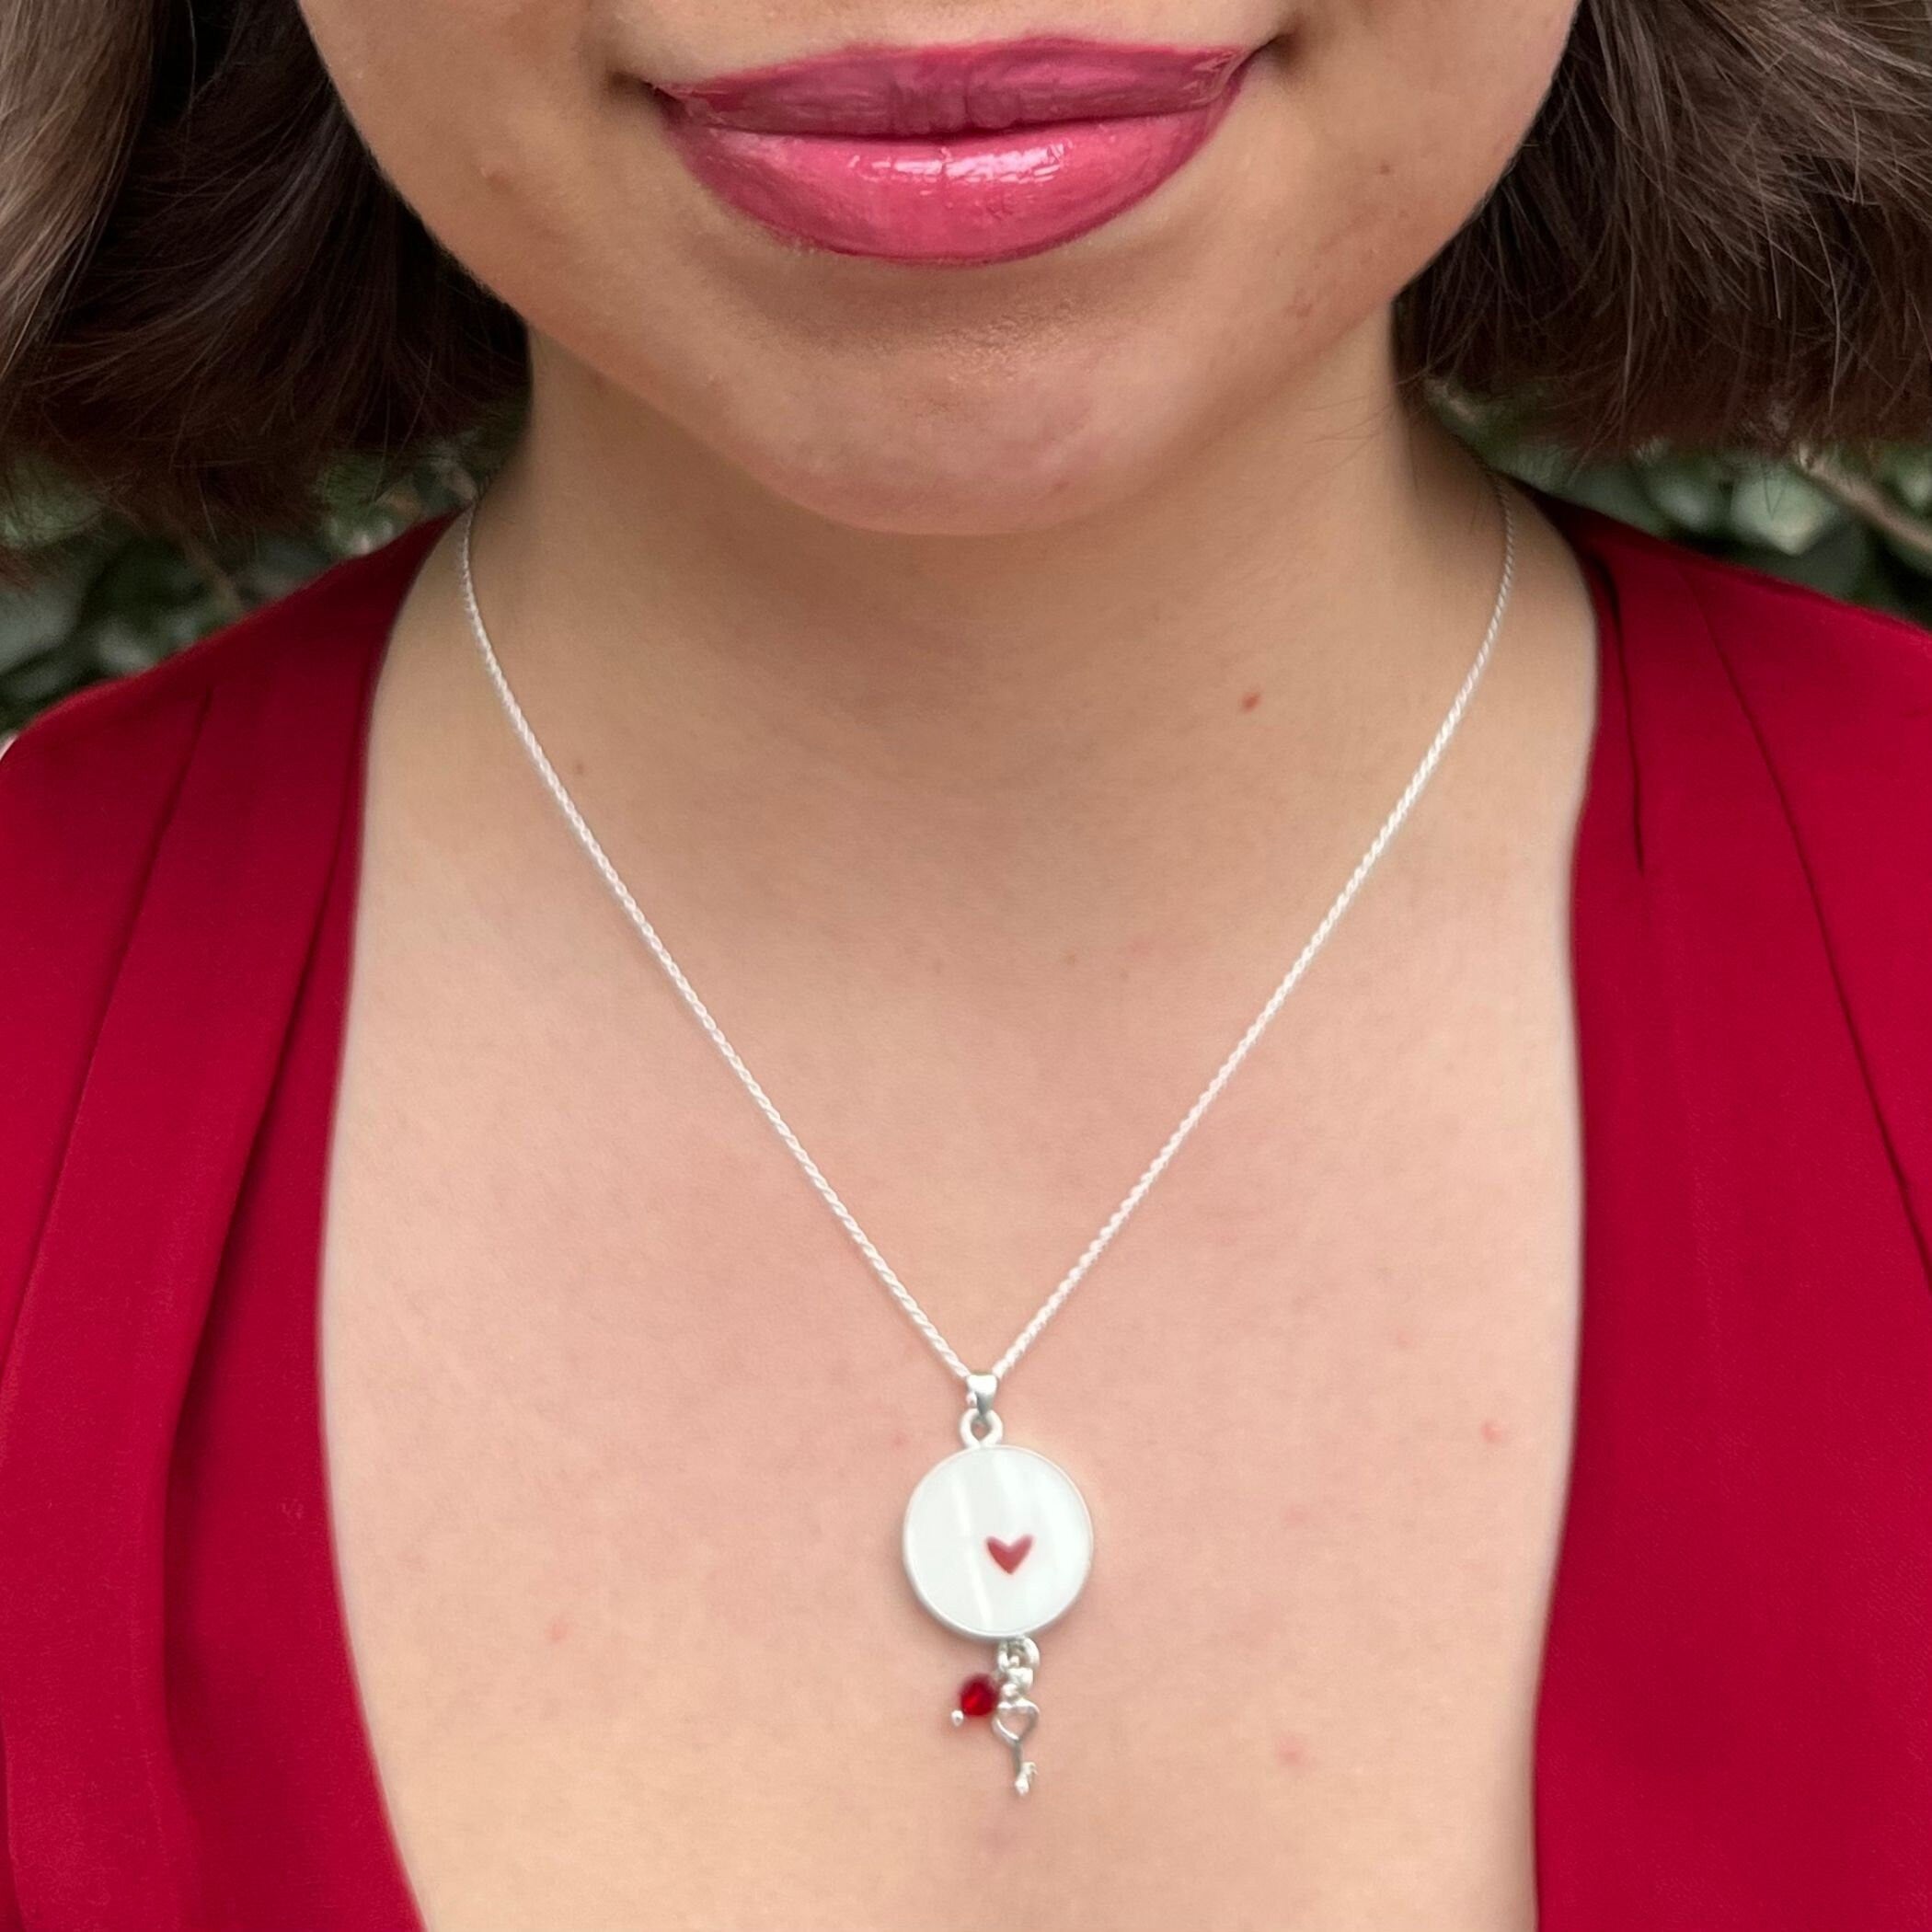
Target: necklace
[(996, 1539)]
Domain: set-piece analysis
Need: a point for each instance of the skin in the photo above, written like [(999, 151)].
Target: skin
[(985, 678)]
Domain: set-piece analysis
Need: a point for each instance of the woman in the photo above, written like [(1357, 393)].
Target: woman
[(981, 568)]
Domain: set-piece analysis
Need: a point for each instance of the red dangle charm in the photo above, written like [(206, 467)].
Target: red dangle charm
[(977, 1697)]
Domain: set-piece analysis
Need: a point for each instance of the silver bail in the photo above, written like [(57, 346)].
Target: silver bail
[(981, 1424)]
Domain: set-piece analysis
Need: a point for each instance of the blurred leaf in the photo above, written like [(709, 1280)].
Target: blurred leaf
[(36, 619), (1784, 511), (1692, 492), (1839, 563), (1909, 475)]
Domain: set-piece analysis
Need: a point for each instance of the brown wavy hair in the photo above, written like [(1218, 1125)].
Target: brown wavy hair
[(1718, 232)]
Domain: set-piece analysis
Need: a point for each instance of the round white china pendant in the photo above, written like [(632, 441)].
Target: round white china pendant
[(998, 1541)]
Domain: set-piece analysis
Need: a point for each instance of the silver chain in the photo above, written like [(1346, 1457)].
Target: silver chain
[(1154, 1168)]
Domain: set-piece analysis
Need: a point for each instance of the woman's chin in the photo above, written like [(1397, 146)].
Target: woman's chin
[(993, 471), (891, 493)]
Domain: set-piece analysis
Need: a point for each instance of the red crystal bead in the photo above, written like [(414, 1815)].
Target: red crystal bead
[(978, 1696)]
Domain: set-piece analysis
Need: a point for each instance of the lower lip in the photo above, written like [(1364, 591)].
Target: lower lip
[(967, 199)]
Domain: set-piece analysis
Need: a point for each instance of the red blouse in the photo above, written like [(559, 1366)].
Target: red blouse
[(1734, 1725)]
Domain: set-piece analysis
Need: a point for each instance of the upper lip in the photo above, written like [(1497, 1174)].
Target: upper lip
[(948, 89)]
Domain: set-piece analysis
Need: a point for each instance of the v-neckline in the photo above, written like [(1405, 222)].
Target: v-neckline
[(1601, 831)]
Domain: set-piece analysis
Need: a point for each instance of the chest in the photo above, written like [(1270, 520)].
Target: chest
[(621, 1431)]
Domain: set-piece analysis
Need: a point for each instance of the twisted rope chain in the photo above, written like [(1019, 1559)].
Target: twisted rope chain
[(1135, 1194)]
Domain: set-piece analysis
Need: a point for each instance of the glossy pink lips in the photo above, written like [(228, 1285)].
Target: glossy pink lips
[(952, 154)]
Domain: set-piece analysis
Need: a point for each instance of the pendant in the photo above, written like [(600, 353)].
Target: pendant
[(997, 1544)]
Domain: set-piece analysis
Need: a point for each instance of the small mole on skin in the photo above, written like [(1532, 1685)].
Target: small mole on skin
[(1250, 700), (558, 1629), (1493, 1430), (1291, 1749)]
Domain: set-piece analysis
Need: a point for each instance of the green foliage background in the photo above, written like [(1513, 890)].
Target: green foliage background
[(106, 600)]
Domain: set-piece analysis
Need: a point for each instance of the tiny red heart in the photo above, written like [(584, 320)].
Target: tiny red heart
[(1008, 1556)]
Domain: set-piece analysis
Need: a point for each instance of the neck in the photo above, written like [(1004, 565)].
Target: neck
[(1266, 630)]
